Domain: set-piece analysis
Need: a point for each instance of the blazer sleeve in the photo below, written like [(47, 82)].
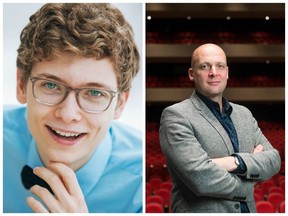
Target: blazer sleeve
[(260, 166), (191, 164)]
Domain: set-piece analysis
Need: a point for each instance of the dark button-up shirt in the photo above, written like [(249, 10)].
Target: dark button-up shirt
[(225, 120)]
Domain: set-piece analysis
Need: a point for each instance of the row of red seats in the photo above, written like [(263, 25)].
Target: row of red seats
[(269, 195), (275, 184), (184, 82), (158, 190), (156, 182), (217, 37), (155, 205), (267, 207), (157, 174)]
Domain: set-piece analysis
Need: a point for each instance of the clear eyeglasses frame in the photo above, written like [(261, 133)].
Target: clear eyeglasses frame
[(51, 93)]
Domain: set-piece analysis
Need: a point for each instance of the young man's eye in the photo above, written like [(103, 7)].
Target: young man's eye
[(50, 85), (95, 93)]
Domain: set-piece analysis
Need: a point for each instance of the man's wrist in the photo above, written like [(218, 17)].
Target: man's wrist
[(236, 161), (241, 166), (234, 165)]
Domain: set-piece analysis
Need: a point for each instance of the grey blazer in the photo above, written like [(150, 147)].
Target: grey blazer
[(190, 136)]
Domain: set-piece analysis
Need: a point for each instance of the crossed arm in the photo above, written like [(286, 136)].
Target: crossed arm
[(198, 171), (190, 162), (228, 163)]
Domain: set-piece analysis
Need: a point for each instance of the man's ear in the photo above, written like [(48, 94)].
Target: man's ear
[(191, 74), (21, 88), (227, 73), (122, 100)]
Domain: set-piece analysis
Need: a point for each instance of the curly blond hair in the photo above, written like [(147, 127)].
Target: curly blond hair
[(88, 30)]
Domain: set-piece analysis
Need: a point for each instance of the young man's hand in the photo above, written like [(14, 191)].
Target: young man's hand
[(68, 196)]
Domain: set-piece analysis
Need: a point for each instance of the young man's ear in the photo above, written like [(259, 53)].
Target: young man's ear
[(21, 88), (122, 100)]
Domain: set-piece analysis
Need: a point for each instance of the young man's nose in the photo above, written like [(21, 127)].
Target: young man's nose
[(69, 110)]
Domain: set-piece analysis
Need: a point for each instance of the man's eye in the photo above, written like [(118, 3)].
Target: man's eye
[(221, 67), (50, 85), (204, 67), (95, 93)]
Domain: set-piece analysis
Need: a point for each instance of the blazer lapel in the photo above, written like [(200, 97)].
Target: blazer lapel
[(209, 116)]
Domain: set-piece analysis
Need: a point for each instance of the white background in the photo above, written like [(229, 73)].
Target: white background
[(16, 17)]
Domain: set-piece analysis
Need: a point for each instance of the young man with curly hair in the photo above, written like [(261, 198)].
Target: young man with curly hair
[(75, 66)]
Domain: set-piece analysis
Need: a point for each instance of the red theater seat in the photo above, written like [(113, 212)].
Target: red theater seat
[(275, 199), (266, 185), (264, 207), (155, 199), (154, 208), (165, 194)]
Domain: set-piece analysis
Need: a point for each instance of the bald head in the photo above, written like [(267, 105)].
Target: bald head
[(209, 71), (206, 49)]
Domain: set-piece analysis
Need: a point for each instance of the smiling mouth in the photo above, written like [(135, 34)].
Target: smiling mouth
[(66, 135), (213, 83)]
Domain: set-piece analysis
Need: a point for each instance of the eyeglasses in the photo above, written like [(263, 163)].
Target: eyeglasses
[(51, 93), (207, 67)]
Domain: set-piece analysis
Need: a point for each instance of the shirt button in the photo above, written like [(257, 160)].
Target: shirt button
[(237, 206)]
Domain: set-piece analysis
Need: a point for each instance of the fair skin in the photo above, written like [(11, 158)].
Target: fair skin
[(210, 73), (63, 157), (210, 83)]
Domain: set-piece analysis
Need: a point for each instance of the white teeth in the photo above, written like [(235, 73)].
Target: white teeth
[(66, 134)]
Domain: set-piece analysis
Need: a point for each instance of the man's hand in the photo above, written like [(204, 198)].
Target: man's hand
[(258, 148), (228, 163), (68, 195)]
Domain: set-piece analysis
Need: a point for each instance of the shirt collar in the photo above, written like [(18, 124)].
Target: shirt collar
[(89, 174), (214, 106)]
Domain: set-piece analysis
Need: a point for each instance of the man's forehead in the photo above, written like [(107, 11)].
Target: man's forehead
[(215, 55)]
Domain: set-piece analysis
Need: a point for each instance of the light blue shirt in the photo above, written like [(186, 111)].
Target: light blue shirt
[(111, 180)]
